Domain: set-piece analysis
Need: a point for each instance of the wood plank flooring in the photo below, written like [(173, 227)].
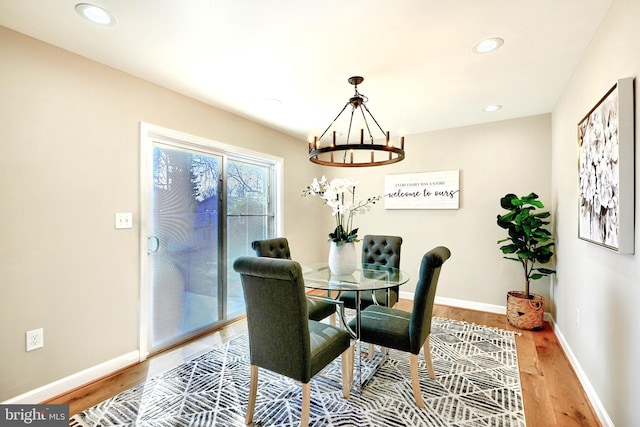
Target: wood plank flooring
[(551, 392)]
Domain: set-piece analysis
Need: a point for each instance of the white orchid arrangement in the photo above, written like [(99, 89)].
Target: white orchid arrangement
[(340, 196)]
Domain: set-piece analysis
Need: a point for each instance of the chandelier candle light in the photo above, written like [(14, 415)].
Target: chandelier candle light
[(355, 154), (340, 196)]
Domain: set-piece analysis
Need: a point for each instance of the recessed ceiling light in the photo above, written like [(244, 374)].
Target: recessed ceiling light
[(488, 45), (273, 101), (491, 108), (95, 14)]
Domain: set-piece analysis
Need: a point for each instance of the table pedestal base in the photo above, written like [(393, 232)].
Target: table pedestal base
[(371, 364)]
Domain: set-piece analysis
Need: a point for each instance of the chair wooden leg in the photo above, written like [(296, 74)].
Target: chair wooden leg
[(306, 404), (347, 371), (253, 390), (372, 351), (427, 358), (415, 380)]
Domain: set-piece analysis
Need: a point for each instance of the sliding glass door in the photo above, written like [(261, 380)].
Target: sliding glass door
[(205, 207), (184, 257)]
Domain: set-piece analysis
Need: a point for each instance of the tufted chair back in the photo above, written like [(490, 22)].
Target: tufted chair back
[(272, 248), (279, 248), (381, 250)]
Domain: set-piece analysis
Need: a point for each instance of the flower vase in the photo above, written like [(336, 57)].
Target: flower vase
[(342, 258)]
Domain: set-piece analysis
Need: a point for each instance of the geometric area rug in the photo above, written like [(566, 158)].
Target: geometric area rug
[(477, 384)]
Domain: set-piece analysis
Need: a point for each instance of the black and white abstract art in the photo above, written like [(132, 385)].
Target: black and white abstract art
[(605, 176)]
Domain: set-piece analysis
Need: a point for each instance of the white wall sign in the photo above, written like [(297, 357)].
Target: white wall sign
[(427, 190)]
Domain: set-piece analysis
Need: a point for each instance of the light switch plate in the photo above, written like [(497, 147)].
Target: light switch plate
[(124, 220)]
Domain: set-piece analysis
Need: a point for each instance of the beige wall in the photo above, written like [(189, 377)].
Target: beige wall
[(603, 285), (493, 159), (69, 159)]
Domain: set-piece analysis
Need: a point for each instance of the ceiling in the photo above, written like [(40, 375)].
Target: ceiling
[(285, 63)]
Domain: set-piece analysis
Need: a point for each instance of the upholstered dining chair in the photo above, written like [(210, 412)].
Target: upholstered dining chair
[(382, 251), (282, 339), (404, 331), (279, 248)]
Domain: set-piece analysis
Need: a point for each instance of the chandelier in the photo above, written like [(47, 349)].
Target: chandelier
[(355, 154)]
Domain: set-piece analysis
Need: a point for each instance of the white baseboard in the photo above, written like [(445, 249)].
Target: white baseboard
[(470, 305), (73, 381), (601, 411)]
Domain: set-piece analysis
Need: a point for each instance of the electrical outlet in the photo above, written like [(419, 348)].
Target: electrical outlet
[(35, 339), (124, 220), (578, 318)]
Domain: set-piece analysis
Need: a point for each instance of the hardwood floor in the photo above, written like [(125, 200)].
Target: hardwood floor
[(91, 394), (551, 392)]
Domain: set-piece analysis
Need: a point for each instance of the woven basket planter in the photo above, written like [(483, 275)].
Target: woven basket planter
[(524, 313)]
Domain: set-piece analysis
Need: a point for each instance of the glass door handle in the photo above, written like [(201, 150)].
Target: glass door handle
[(154, 244)]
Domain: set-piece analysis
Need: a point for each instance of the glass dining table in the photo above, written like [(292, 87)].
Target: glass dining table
[(366, 277)]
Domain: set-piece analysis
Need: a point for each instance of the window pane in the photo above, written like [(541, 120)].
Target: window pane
[(249, 218), (184, 267)]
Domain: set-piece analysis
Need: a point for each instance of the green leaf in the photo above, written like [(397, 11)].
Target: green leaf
[(503, 222), (505, 202), (509, 249), (545, 214)]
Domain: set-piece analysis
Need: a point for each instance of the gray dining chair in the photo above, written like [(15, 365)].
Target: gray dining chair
[(380, 251), (279, 248), (404, 331), (282, 339)]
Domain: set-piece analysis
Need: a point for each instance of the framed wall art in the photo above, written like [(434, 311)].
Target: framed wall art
[(426, 190), (606, 170)]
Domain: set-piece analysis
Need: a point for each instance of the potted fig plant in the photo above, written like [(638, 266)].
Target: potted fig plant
[(530, 244)]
